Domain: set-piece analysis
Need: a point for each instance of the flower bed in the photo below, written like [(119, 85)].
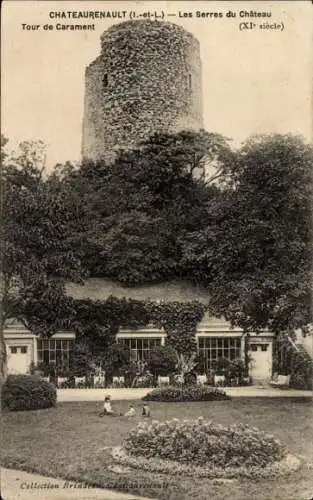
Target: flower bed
[(204, 449), (201, 442), (287, 465), (189, 393)]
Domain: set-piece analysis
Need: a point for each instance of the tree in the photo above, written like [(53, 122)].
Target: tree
[(255, 253), (37, 251), (141, 205)]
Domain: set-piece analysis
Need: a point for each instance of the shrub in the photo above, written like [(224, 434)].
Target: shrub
[(204, 444), (117, 359), (221, 366), (27, 392), (190, 393), (301, 371), (162, 360)]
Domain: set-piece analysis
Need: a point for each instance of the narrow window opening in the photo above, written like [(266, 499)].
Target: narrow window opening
[(105, 81), (189, 81)]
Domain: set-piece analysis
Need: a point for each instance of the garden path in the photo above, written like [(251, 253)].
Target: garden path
[(71, 395), (22, 485)]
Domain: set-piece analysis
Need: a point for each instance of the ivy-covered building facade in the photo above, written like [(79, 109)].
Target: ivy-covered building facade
[(214, 338)]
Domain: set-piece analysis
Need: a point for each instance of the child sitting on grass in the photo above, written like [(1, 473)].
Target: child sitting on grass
[(107, 408), (130, 412), (146, 411)]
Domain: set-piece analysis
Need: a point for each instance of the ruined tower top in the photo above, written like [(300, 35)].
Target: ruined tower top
[(147, 79)]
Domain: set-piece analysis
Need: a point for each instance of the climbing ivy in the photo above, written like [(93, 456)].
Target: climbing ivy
[(100, 321), (179, 320)]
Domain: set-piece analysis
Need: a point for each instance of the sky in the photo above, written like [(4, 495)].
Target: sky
[(254, 80)]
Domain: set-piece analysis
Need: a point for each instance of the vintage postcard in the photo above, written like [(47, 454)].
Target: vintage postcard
[(156, 250)]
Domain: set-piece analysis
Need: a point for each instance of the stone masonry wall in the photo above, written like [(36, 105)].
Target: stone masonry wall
[(147, 79)]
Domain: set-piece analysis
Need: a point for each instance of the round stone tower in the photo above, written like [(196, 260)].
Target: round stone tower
[(147, 79)]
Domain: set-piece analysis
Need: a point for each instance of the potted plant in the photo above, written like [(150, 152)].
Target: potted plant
[(185, 368), (236, 372), (221, 371)]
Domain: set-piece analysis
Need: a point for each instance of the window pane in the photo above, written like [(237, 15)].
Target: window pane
[(58, 344), (52, 356), (39, 344), (65, 344), (201, 343), (154, 342), (52, 344), (214, 355), (46, 344), (220, 343), (232, 354)]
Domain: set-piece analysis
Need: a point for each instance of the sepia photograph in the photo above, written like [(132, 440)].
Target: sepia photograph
[(156, 272)]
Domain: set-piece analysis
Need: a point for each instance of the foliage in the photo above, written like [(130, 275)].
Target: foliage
[(162, 360), (236, 369), (217, 475), (186, 393), (179, 320), (259, 275), (202, 442), (39, 234), (81, 360), (27, 392), (145, 380), (97, 322), (201, 364), (142, 205), (42, 306), (294, 361), (185, 365), (221, 366), (117, 359)]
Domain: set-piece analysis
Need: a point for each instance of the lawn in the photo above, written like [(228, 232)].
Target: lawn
[(69, 441)]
